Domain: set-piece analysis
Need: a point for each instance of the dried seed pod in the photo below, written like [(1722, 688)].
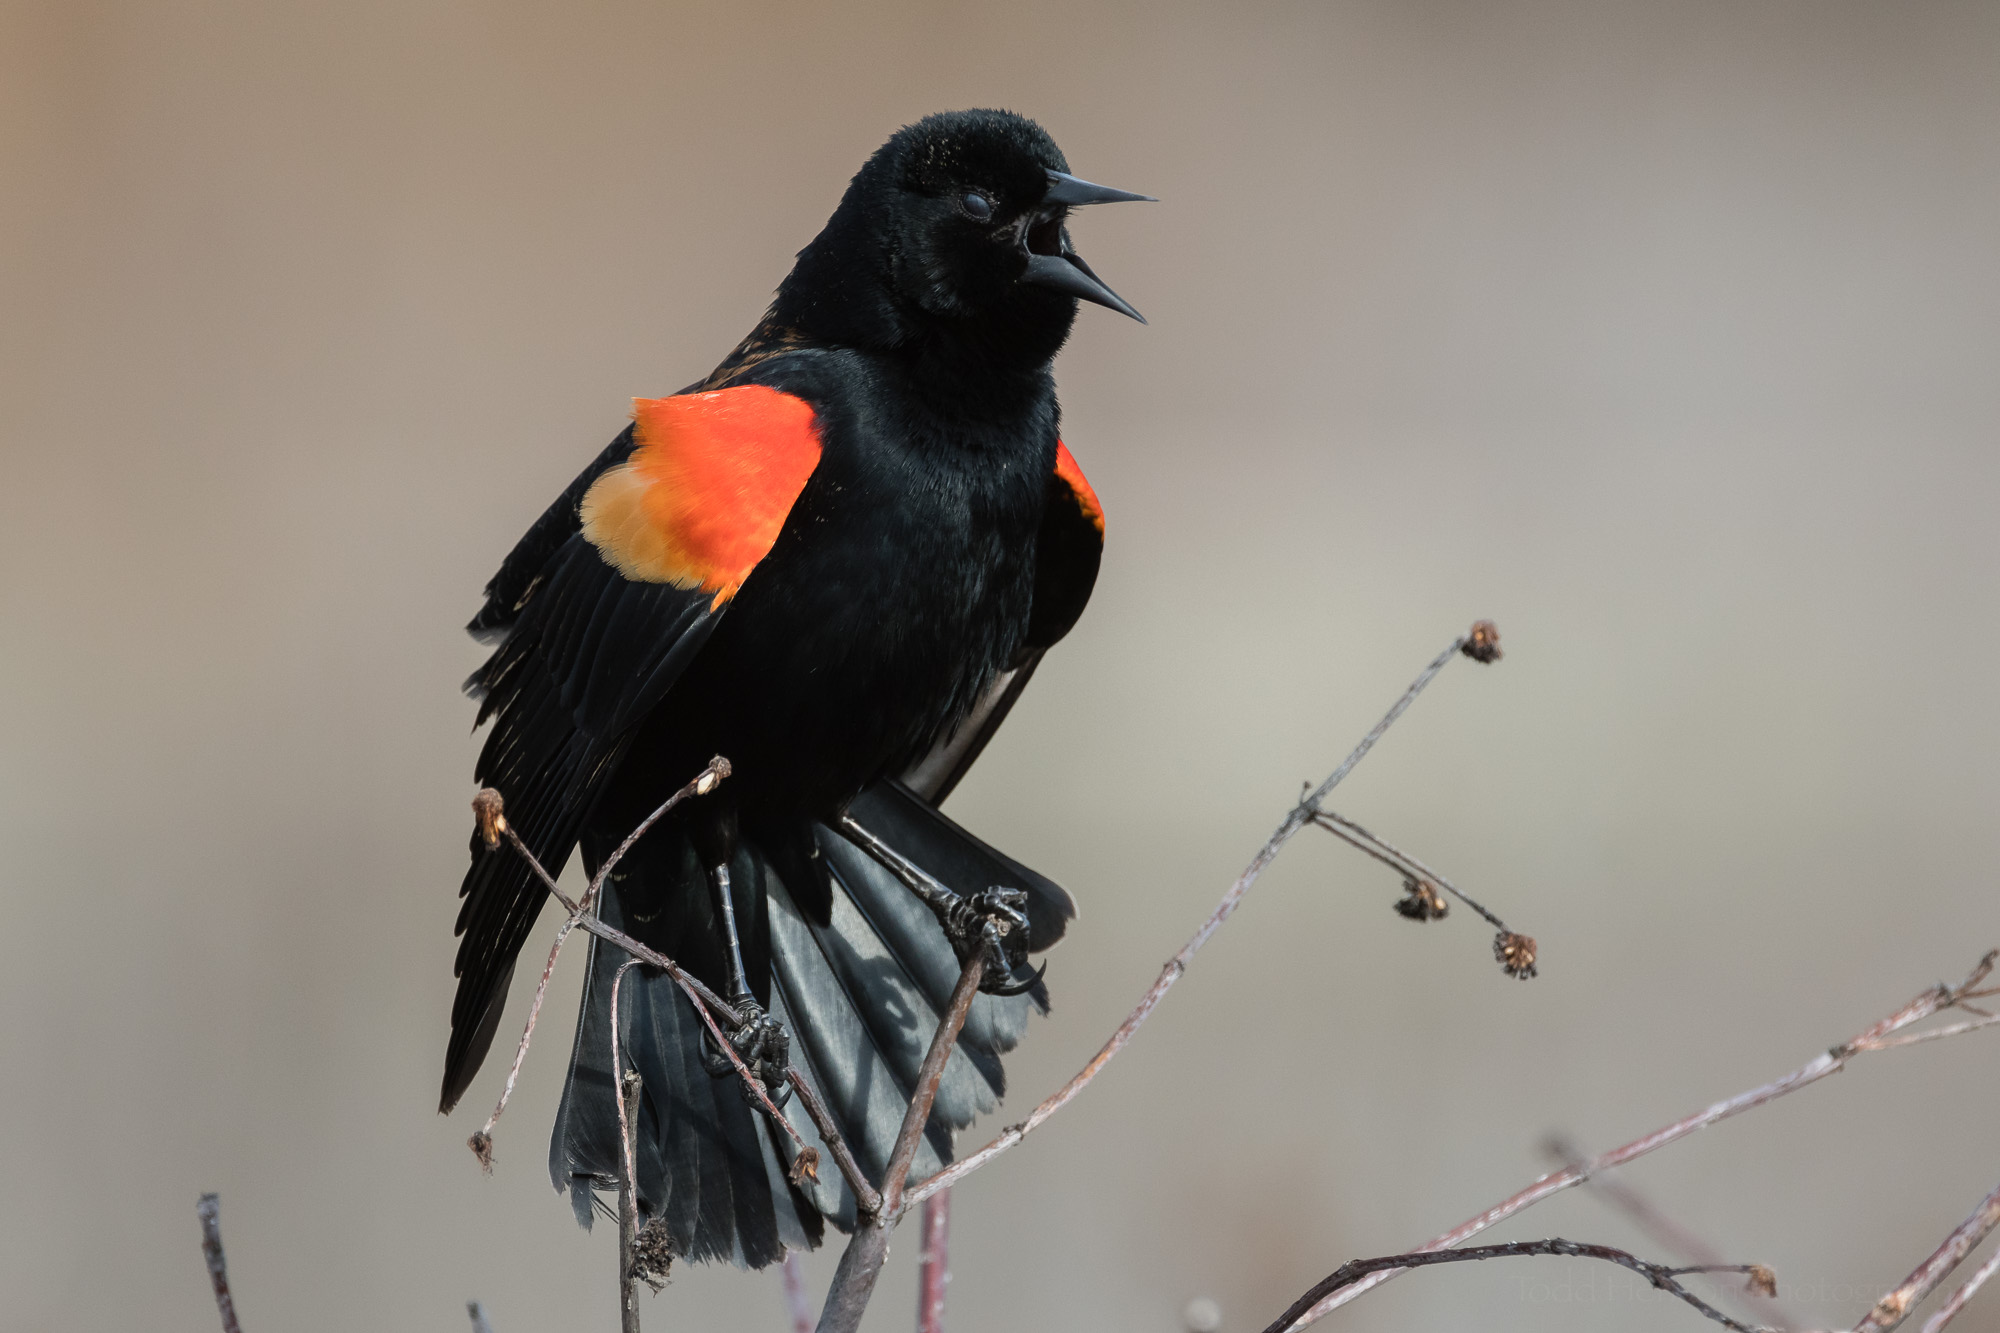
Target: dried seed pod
[(1421, 901), (489, 809), (1762, 1281), (652, 1254), (1516, 954), (1483, 643)]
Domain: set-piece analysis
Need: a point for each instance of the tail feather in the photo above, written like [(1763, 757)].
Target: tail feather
[(861, 997), (704, 1164)]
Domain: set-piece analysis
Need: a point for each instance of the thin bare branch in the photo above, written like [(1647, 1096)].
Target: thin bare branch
[(1896, 1305), (1355, 836), (477, 1313), (701, 784), (1665, 1232), (1947, 1312), (627, 1085), (1659, 1275), (482, 1141), (934, 1261), (807, 1161), (1932, 1001), (1308, 807), (867, 1198), (209, 1210)]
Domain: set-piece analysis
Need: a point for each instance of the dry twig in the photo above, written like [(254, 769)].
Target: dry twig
[(1875, 1037), (209, 1210), (1947, 1312), (1896, 1305), (1661, 1276), (1420, 885)]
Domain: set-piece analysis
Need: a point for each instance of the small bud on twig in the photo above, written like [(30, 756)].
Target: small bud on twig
[(805, 1167), (1762, 1281), (1483, 643), (1516, 954), (1421, 900), (1891, 1308), (488, 808), (717, 770), (482, 1148)]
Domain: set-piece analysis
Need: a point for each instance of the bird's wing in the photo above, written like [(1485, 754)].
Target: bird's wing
[(598, 611), (1068, 549)]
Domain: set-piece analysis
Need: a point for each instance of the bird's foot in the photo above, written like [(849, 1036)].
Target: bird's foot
[(761, 1043), (991, 922)]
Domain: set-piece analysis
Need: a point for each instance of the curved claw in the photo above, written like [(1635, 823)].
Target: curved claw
[(1012, 987)]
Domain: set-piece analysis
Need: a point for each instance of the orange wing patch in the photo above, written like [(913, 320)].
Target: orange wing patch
[(706, 489), (1072, 476)]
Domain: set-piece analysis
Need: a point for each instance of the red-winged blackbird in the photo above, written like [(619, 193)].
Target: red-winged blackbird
[(836, 561)]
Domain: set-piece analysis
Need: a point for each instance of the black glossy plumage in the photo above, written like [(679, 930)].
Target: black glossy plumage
[(930, 560)]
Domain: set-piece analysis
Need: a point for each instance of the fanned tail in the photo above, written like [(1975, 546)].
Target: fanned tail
[(861, 992)]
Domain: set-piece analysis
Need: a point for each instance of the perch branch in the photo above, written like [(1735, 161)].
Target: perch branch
[(1480, 645), (1660, 1275), (1895, 1307), (209, 1210), (1932, 1001), (706, 1002)]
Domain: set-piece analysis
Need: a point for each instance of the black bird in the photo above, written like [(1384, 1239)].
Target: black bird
[(835, 561)]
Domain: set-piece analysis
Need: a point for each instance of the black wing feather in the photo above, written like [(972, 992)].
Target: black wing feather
[(585, 655)]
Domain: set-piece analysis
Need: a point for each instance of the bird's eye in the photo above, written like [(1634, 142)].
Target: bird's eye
[(976, 207)]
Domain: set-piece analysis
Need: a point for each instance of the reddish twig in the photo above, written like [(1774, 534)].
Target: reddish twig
[(1476, 644), (1947, 1312), (1659, 1275), (209, 1210), (861, 1262), (934, 1261), (1895, 1307), (797, 1304), (1932, 1001)]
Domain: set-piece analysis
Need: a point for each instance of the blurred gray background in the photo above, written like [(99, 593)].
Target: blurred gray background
[(1663, 334)]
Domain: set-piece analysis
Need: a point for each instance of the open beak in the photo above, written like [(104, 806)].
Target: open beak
[(1051, 263)]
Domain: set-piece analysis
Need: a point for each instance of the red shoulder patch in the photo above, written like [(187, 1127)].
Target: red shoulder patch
[(1072, 476), (706, 489)]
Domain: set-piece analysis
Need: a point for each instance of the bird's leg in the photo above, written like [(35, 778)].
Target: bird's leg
[(759, 1039), (991, 920)]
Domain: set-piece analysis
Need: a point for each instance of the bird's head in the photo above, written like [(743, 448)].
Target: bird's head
[(955, 229)]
